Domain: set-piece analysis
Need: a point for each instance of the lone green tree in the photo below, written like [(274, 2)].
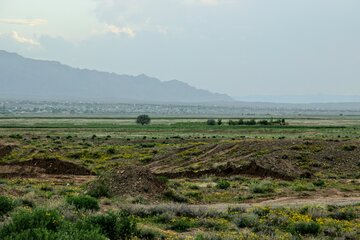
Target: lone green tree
[(211, 122), (143, 119)]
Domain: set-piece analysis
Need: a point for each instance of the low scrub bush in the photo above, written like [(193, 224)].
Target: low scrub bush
[(319, 183), (246, 220), (176, 197), (349, 148), (306, 228), (147, 233), (300, 187), (114, 225), (262, 187), (6, 205), (46, 224), (27, 221), (344, 214), (83, 202), (211, 122), (98, 188), (223, 184), (181, 224)]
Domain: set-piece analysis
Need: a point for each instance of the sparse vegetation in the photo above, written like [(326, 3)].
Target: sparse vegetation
[(178, 178), (83, 202)]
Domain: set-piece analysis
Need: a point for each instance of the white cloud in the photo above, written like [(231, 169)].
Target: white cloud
[(21, 39), (123, 30), (28, 22)]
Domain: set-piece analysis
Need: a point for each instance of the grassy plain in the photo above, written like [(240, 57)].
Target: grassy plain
[(298, 181)]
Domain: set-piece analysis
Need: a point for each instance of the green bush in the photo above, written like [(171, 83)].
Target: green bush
[(262, 187), (306, 228), (36, 219), (319, 183), (98, 188), (344, 214), (223, 184), (67, 232), (211, 122), (71, 232), (299, 187), (6, 205), (147, 233), (114, 225), (83, 202), (181, 224), (246, 220), (176, 197)]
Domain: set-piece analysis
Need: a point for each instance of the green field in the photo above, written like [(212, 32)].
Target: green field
[(179, 178)]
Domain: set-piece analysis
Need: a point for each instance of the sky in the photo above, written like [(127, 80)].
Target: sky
[(238, 47)]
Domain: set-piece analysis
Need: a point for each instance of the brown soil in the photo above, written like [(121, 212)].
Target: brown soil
[(37, 167), (133, 181), (252, 169), (285, 159)]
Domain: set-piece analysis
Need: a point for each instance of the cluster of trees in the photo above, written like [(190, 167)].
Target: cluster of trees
[(249, 122), (213, 122), (260, 122)]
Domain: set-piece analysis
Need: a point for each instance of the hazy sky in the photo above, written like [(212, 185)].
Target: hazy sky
[(238, 47)]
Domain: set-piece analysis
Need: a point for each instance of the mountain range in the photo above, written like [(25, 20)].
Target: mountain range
[(24, 78)]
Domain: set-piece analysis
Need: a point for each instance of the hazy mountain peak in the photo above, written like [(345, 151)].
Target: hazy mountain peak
[(23, 78)]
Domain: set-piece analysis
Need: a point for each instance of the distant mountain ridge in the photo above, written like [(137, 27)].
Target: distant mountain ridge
[(24, 78)]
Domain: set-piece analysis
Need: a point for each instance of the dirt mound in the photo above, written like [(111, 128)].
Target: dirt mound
[(278, 158), (133, 181), (56, 166), (36, 167), (287, 172), (5, 150)]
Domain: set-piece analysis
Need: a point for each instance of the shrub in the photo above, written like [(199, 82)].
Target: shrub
[(208, 236), (98, 188), (114, 225), (71, 232), (68, 232), (194, 195), (194, 187), (262, 187), (250, 122), (299, 187), (223, 184), (349, 148), (163, 179), (211, 122), (181, 224), (26, 220), (246, 220), (319, 183), (148, 233), (6, 205), (111, 151), (176, 197), (83, 202), (344, 214), (306, 228), (264, 122)]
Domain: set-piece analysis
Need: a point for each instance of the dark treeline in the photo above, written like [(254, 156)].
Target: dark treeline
[(248, 122)]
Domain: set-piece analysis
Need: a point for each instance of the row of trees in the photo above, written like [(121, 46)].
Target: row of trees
[(145, 119), (249, 122)]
